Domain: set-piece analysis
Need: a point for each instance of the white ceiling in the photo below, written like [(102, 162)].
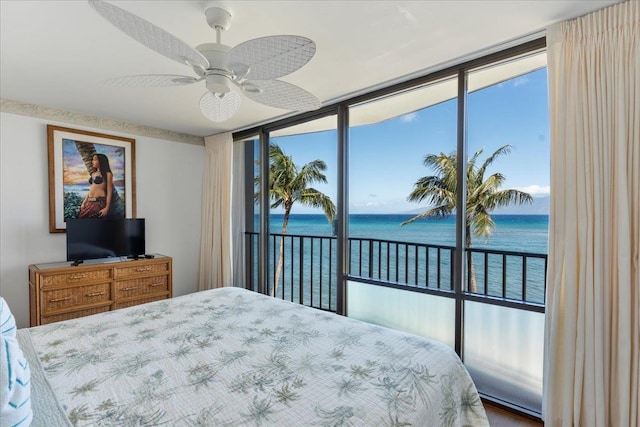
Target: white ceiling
[(55, 53)]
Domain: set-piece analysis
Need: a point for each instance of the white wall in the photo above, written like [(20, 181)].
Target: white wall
[(168, 195)]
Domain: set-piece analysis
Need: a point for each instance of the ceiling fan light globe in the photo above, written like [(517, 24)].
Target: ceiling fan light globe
[(219, 108)]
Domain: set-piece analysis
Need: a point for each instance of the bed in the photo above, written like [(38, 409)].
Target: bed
[(232, 357)]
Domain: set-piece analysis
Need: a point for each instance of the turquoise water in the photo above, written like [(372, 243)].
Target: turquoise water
[(520, 233), (413, 265)]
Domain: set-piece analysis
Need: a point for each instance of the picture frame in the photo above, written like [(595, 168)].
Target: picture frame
[(71, 167)]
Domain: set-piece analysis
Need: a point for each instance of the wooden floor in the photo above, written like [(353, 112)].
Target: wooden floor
[(499, 417)]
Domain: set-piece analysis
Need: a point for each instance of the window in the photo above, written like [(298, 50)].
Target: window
[(508, 117), (399, 264), (389, 139)]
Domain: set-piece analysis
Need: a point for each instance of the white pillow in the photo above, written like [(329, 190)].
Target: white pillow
[(15, 376)]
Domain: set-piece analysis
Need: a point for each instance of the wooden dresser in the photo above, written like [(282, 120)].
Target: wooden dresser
[(58, 291)]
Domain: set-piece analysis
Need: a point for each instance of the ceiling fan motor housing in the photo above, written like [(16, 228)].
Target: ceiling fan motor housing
[(217, 75), (216, 54), (217, 83)]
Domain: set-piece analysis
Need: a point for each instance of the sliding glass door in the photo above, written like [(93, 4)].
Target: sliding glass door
[(508, 150), (422, 207), (302, 213), (396, 240)]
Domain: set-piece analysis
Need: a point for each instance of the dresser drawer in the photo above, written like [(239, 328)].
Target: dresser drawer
[(80, 277), (128, 289), (73, 314), (141, 270), (56, 300), (145, 300)]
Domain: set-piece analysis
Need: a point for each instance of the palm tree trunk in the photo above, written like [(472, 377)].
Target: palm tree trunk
[(285, 222), (86, 151), (472, 270), (274, 290)]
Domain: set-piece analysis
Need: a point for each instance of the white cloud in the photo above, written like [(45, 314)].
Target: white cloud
[(520, 81), (536, 190), (368, 204), (408, 118)]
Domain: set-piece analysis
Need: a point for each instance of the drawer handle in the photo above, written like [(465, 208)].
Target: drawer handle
[(133, 288), (140, 269), (59, 299), (157, 284), (95, 294), (77, 277)]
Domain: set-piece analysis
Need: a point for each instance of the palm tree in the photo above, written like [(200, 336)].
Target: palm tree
[(289, 184), (483, 195)]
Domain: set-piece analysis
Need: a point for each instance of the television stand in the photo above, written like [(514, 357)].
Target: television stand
[(76, 262), (58, 291), (138, 257)]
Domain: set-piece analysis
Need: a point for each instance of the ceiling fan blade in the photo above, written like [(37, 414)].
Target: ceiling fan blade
[(150, 80), (279, 94), (271, 57), (219, 107), (150, 35)]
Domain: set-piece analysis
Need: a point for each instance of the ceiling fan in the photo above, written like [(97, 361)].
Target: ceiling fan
[(251, 67)]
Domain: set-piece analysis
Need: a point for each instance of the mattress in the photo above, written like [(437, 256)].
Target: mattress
[(232, 357)]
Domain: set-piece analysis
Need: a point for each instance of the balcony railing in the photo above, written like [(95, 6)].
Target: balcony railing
[(308, 271), (505, 311)]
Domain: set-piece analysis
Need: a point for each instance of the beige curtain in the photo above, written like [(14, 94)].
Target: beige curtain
[(592, 330), (216, 268)]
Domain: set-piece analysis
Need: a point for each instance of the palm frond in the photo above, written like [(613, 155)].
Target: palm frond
[(489, 186), (443, 164), (437, 212), (309, 174), (507, 197), (316, 199), (505, 149), (471, 163), (482, 224), (277, 203)]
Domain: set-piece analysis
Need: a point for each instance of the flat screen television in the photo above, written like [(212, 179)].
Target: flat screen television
[(92, 238)]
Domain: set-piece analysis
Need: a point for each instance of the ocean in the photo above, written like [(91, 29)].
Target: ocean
[(520, 233), (83, 189), (413, 265)]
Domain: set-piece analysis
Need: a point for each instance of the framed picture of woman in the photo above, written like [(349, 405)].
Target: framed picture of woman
[(91, 175)]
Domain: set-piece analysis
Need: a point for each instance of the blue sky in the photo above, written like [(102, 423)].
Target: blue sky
[(386, 158)]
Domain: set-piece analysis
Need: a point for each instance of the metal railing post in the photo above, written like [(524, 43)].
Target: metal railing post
[(263, 239), (461, 155), (342, 260)]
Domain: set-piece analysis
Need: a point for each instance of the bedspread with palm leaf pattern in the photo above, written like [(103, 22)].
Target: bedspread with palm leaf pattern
[(232, 357)]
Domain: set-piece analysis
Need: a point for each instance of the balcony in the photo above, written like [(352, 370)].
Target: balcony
[(409, 286)]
